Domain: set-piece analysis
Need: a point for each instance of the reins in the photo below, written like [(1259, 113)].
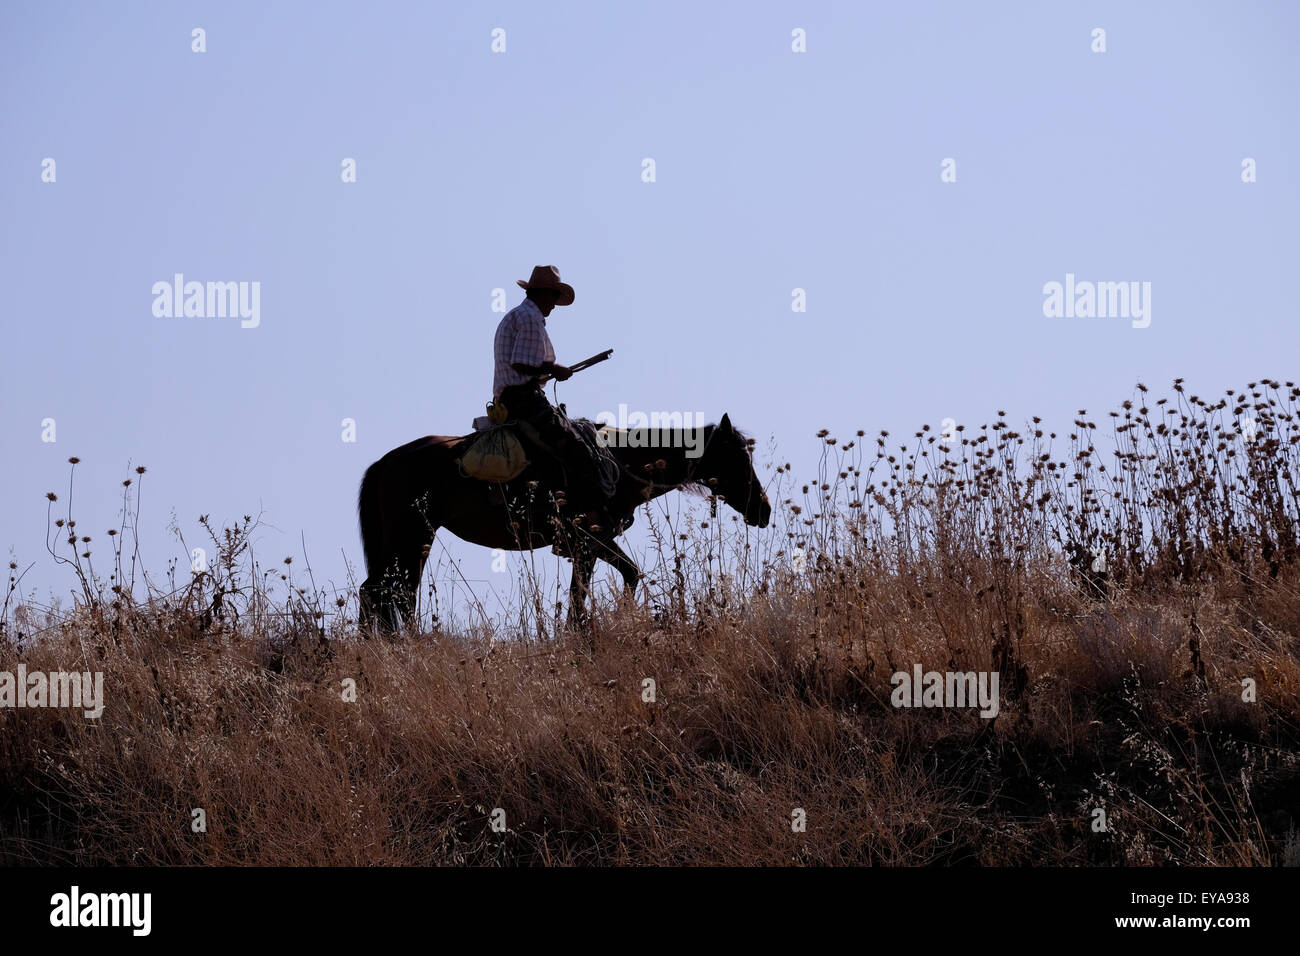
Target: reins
[(690, 470)]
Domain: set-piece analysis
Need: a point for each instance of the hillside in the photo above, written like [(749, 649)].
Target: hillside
[(1135, 596)]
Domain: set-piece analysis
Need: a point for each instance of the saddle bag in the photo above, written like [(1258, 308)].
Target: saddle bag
[(494, 454)]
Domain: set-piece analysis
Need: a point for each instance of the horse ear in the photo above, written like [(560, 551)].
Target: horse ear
[(725, 424)]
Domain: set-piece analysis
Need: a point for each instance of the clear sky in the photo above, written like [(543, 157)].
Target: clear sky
[(774, 170)]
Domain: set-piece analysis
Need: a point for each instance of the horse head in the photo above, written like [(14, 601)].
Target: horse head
[(726, 468)]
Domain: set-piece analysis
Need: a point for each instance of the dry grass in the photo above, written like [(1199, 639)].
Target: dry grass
[(1121, 690)]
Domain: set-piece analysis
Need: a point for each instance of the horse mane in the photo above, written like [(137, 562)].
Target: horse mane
[(703, 491), (690, 487)]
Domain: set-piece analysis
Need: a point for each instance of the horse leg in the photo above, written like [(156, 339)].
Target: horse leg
[(626, 567), (410, 572), (372, 607), (380, 600), (378, 605), (388, 599), (609, 552), (579, 585)]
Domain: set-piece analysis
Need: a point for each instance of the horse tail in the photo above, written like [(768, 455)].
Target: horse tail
[(368, 511)]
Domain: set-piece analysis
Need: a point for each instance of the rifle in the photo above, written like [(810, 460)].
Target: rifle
[(575, 367), (589, 362)]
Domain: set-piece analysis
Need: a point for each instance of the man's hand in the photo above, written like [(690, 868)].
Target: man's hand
[(561, 373)]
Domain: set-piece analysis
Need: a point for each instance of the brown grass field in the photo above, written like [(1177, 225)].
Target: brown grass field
[(1121, 689)]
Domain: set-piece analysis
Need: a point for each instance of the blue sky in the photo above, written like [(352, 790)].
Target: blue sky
[(775, 170)]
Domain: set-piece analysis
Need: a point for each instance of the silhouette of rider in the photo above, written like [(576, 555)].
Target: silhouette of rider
[(523, 353)]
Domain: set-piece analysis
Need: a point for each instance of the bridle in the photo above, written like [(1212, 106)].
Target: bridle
[(689, 479)]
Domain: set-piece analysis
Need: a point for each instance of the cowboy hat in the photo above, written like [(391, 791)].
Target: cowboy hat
[(548, 277)]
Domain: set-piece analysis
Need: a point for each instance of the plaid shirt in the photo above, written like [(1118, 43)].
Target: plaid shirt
[(521, 337)]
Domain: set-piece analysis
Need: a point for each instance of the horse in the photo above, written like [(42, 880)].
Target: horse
[(417, 489)]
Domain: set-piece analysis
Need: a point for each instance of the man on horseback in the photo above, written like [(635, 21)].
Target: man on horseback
[(523, 353)]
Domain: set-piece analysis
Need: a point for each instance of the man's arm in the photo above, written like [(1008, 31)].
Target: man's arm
[(559, 372)]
